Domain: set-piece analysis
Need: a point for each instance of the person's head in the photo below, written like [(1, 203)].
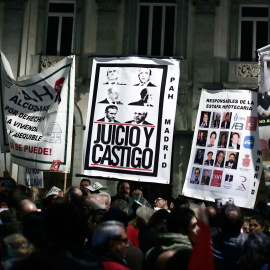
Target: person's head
[(123, 189), (95, 202), (139, 116), (136, 192), (84, 183), (110, 236), (143, 215), (113, 94), (112, 74), (197, 173), (257, 224), (111, 112), (235, 138), (182, 220), (220, 156), (213, 137), (205, 117), (107, 199), (232, 157), (245, 226), (24, 207), (7, 184), (121, 205), (161, 203), (255, 254), (218, 116), (210, 155), (231, 219), (144, 75), (74, 195), (227, 116), (223, 138), (206, 174)]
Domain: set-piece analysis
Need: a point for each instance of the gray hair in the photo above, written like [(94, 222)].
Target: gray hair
[(144, 213), (95, 204), (105, 194), (106, 231), (120, 204)]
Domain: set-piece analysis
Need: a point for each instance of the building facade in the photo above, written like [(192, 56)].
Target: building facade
[(216, 41)]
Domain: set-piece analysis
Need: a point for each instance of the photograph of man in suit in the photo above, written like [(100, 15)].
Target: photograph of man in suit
[(232, 162), (204, 122), (219, 159), (113, 97), (223, 139), (206, 178), (201, 139), (229, 178), (227, 121), (146, 98), (199, 157), (139, 118), (196, 176), (112, 76), (216, 121), (234, 143), (145, 77), (110, 113), (209, 161), (212, 139)]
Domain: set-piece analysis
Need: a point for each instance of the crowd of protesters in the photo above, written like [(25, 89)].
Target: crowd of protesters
[(85, 228)]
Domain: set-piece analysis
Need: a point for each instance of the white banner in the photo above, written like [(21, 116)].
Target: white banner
[(225, 161), (130, 121), (39, 116), (33, 178), (264, 109)]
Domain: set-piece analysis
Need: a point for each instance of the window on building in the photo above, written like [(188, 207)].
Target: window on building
[(254, 31), (60, 28), (156, 28)]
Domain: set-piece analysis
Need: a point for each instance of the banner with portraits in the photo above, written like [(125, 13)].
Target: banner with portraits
[(226, 158), (37, 114), (264, 109), (130, 121)]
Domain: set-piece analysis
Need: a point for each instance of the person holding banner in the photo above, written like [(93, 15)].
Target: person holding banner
[(110, 113), (220, 159)]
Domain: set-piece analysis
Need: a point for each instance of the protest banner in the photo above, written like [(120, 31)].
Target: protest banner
[(33, 178), (264, 109), (130, 121), (226, 158), (38, 114)]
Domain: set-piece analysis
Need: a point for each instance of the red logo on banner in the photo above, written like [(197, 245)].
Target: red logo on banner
[(217, 177), (59, 84), (251, 123), (246, 161), (55, 165)]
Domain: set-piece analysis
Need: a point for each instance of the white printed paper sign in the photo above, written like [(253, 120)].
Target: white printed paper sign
[(38, 115), (130, 122), (226, 159), (33, 178)]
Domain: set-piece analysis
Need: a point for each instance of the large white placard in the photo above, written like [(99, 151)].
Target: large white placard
[(225, 160), (130, 120), (38, 114)]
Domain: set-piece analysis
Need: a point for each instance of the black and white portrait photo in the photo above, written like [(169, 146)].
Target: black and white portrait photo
[(145, 78)]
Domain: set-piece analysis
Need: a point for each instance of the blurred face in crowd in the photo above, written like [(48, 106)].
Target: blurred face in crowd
[(254, 226), (120, 244), (193, 230), (124, 190), (161, 203), (84, 184)]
